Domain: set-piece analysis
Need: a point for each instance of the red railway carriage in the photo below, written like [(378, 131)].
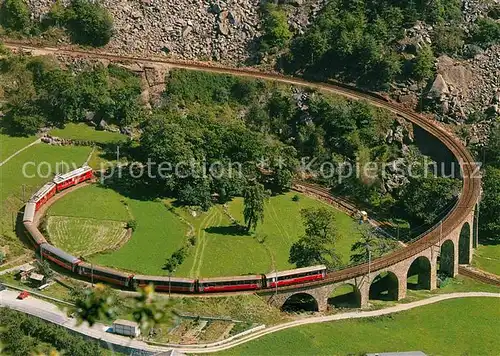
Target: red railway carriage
[(294, 276), (165, 284), (99, 273), (67, 180), (59, 257), (29, 212), (36, 236), (229, 284), (43, 194)]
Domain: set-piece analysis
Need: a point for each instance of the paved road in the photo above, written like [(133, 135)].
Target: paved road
[(51, 313), (19, 151)]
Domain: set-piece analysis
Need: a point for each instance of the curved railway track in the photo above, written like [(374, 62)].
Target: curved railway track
[(469, 195)]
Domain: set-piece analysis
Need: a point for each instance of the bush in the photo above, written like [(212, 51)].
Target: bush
[(15, 15), (296, 197), (486, 32), (276, 30), (27, 124), (89, 23), (448, 39), (494, 11), (424, 64), (132, 224), (2, 257), (192, 240)]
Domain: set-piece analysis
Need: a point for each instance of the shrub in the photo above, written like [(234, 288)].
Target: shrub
[(448, 39), (27, 124), (276, 30), (486, 32), (89, 23), (296, 197), (2, 257), (132, 224), (192, 240), (424, 64), (15, 15), (494, 11)]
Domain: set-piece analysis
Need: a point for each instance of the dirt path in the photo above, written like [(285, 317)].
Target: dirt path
[(19, 151)]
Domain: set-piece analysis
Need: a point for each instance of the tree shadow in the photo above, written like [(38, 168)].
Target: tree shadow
[(489, 241), (348, 300), (128, 186), (231, 230)]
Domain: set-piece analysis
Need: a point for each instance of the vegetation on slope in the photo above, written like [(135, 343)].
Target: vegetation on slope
[(87, 22), (25, 335)]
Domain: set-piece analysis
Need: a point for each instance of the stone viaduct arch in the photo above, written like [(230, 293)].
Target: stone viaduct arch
[(421, 268), (419, 274), (465, 244)]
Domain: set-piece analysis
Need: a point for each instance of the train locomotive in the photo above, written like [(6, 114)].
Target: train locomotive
[(126, 280)]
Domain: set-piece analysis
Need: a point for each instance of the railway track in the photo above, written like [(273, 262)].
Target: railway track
[(471, 188), (478, 276)]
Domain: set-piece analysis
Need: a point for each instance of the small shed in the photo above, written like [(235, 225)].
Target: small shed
[(37, 278), (126, 327), (25, 271)]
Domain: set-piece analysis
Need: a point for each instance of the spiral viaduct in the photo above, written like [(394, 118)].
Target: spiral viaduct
[(424, 251)]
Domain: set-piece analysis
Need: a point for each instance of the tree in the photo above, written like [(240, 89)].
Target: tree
[(254, 198), (97, 304), (423, 68), (175, 260), (89, 23), (196, 192), (276, 30), (15, 15), (448, 39), (426, 199), (146, 312), (27, 124), (317, 246), (44, 268), (489, 218), (370, 245)]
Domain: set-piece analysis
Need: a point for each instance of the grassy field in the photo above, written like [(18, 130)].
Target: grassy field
[(222, 251), (82, 237), (219, 249), (487, 258), (158, 234), (17, 186), (9, 144), (93, 202), (85, 132), (453, 327)]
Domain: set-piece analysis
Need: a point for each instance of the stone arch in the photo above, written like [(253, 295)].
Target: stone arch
[(419, 274), (300, 302), (464, 244), (446, 259), (345, 295), (385, 286)]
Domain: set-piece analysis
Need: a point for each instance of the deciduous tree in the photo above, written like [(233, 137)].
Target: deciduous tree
[(254, 198), (317, 246)]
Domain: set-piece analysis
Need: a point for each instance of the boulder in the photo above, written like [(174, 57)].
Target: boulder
[(439, 88)]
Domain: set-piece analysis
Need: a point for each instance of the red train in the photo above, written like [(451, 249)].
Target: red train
[(75, 177), (161, 283)]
